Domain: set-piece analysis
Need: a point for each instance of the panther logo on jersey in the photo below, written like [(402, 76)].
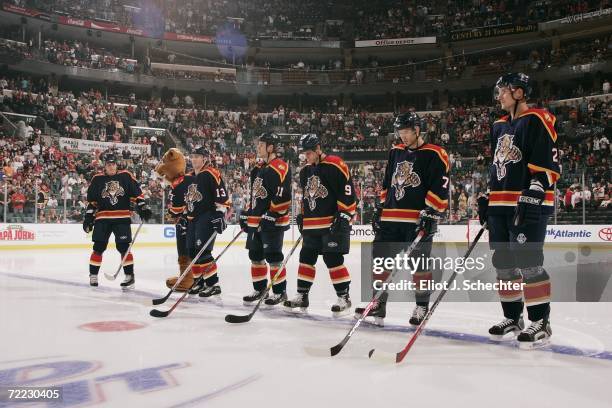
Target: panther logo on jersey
[(505, 153), (192, 196), (258, 191), (404, 177), (112, 191), (314, 189)]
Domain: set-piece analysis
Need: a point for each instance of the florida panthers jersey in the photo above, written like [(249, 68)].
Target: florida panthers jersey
[(112, 196), (270, 185), (414, 179), (205, 193), (177, 195), (327, 189), (524, 149)]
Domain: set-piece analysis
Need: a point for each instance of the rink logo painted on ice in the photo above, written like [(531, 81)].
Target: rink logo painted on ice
[(78, 390), (16, 233), (605, 234)]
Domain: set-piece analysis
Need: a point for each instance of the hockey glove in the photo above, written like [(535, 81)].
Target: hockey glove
[(528, 208), (376, 220), (483, 208), (268, 221), (218, 222), (300, 222), (143, 209), (181, 225), (428, 221), (243, 220), (341, 223), (89, 219)]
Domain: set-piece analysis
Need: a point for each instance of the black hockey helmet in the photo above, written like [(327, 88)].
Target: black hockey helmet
[(201, 150), (309, 141), (407, 120), (270, 138), (109, 157), (513, 81)]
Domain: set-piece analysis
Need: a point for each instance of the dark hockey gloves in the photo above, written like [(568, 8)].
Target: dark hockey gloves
[(181, 225), (243, 220), (376, 220), (144, 210), (341, 223), (89, 219), (528, 208), (299, 220), (268, 221), (218, 222), (483, 208), (428, 221)]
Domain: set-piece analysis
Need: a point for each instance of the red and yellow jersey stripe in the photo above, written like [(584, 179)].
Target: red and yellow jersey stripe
[(399, 215), (312, 223), (509, 198), (435, 202), (112, 214)]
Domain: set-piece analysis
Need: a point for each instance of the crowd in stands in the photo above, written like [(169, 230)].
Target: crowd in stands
[(29, 159), (78, 54), (279, 18)]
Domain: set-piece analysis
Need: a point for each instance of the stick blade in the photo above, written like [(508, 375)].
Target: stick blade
[(109, 276), (383, 356), (336, 349), (159, 313), (230, 318), (160, 300)]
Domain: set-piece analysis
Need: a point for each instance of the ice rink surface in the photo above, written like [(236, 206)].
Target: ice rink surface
[(102, 347)]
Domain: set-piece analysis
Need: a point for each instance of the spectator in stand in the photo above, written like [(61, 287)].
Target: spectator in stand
[(18, 201)]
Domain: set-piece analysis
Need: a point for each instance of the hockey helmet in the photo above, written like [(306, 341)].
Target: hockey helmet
[(109, 158), (270, 138), (309, 141), (201, 150), (407, 120), (513, 81)]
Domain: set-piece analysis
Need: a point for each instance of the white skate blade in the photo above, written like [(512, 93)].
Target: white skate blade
[(337, 315), (374, 321), (526, 345), (511, 335), (128, 288), (296, 310), (216, 299)]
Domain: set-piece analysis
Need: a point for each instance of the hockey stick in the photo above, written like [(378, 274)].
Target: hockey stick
[(114, 276), (164, 313), (398, 357), (188, 269), (338, 347), (230, 318)]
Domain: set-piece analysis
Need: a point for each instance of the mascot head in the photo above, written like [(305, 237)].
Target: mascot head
[(172, 165)]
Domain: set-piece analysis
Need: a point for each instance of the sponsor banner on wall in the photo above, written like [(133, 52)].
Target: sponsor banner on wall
[(189, 37), (90, 146), (395, 41), (72, 235), (493, 31), (575, 19)]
